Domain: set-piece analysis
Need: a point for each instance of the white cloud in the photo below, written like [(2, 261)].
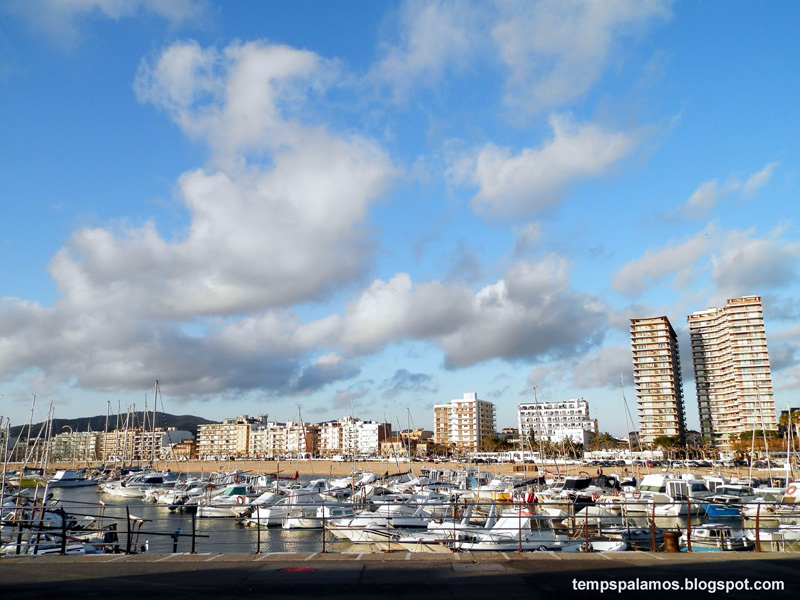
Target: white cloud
[(704, 198), (555, 51), (537, 178), (606, 368), (673, 260), (748, 265), (434, 36), (758, 180), (242, 99), (394, 310), (60, 19), (738, 263), (709, 194)]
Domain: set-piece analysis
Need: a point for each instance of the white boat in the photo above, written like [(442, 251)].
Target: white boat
[(385, 516), (69, 478), (717, 537), (230, 503), (784, 538), (303, 502), (315, 517), (514, 530), (136, 486)]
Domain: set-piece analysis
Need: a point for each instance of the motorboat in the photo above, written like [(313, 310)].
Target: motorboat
[(69, 478), (716, 537), (516, 529), (727, 500)]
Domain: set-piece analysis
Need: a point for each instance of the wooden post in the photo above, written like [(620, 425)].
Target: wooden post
[(653, 527), (586, 527), (689, 527), (758, 531)]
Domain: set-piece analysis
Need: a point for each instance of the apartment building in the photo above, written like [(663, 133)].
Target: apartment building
[(556, 421), (132, 444), (732, 371), (229, 439), (75, 445), (464, 422), (268, 440), (657, 379)]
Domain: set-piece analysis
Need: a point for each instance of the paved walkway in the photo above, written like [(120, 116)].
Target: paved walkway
[(400, 575)]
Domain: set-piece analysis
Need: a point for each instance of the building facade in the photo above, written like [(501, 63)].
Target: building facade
[(556, 421), (229, 439), (657, 379), (464, 422), (732, 371)]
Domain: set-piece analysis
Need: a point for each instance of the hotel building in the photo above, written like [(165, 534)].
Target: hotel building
[(657, 379), (464, 422), (557, 421), (732, 372)]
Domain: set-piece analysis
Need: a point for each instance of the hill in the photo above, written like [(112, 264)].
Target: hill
[(163, 420)]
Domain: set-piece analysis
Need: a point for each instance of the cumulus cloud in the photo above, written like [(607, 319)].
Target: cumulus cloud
[(280, 219), (518, 317), (522, 317), (534, 179), (395, 310), (555, 51), (259, 235)]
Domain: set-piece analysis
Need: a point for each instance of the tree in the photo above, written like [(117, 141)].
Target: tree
[(495, 443)]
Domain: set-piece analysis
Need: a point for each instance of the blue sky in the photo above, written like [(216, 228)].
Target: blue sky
[(370, 208)]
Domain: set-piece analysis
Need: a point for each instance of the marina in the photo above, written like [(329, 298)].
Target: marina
[(434, 511)]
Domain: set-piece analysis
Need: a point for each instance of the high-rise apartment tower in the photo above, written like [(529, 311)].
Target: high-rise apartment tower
[(464, 422), (731, 369), (657, 378)]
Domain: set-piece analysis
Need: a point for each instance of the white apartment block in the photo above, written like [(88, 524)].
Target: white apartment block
[(657, 378), (268, 440), (732, 371), (463, 422), (353, 437), (557, 421)]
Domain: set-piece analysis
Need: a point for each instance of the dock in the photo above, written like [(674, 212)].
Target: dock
[(402, 575)]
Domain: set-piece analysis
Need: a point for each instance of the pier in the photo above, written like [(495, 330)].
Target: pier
[(398, 575)]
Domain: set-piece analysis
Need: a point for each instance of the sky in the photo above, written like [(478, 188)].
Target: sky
[(368, 208)]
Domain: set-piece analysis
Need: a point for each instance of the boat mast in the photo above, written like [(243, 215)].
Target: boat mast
[(155, 408), (627, 424)]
